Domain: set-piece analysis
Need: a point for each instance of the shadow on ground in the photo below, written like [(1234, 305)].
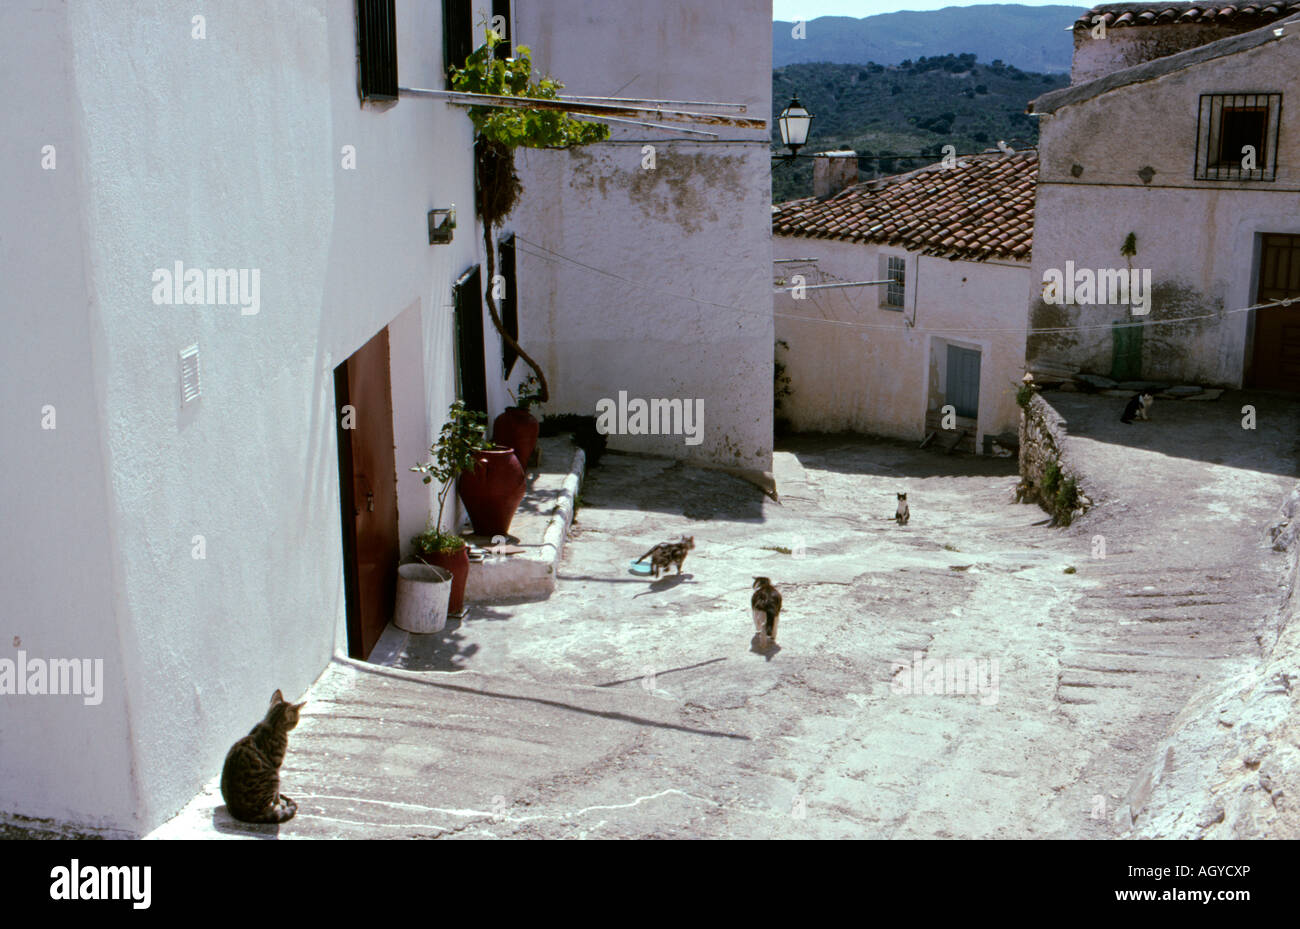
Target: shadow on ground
[(1202, 430), (850, 453)]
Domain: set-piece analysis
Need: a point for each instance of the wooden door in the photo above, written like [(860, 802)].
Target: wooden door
[(1276, 361), (368, 492)]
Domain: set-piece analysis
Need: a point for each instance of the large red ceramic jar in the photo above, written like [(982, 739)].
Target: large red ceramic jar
[(517, 428), (493, 490)]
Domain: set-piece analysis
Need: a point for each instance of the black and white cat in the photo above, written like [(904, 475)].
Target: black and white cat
[(902, 514), (1137, 408)]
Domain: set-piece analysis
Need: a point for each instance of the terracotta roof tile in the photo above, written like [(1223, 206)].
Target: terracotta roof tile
[(983, 208), (1246, 15)]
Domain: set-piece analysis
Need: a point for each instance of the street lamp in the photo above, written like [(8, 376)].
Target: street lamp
[(794, 122)]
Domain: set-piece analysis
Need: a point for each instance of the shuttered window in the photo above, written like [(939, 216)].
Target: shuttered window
[(502, 8), (468, 300), (509, 304), (457, 32), (377, 49)]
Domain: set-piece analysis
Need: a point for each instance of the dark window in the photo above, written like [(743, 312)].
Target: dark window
[(502, 8), (457, 32), (377, 49), (468, 300), (508, 305), (1229, 123)]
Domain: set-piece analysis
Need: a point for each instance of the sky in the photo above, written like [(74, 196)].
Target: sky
[(795, 10)]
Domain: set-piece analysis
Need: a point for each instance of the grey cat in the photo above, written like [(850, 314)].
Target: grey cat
[(250, 778)]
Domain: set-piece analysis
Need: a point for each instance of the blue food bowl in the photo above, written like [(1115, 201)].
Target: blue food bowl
[(642, 568)]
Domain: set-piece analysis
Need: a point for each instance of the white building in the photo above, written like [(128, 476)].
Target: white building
[(1194, 153), (648, 271), (946, 331), (195, 545)]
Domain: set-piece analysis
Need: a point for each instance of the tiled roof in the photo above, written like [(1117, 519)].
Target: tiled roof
[(982, 208), (1247, 15)]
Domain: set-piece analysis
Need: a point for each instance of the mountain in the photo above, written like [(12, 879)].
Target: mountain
[(914, 108), (1035, 38)]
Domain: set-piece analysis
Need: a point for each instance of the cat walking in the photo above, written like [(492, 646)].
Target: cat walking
[(666, 553), (765, 605), (250, 778)]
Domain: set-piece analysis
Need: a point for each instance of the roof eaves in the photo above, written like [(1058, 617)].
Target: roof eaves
[(1150, 70)]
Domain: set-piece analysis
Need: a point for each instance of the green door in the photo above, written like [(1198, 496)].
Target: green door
[(1126, 363)]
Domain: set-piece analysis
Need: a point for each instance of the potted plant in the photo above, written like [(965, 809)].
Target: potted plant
[(453, 455), (516, 427)]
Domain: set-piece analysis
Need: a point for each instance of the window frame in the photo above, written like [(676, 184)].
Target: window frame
[(376, 50), (1211, 164), (457, 34), (898, 285)]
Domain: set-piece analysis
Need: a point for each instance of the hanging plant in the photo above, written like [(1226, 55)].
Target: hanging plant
[(500, 132)]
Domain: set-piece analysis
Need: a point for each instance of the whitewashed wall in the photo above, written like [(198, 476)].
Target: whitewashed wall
[(1199, 238), (220, 152), (857, 367), (683, 308)]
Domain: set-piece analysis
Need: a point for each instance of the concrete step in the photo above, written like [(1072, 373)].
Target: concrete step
[(387, 753)]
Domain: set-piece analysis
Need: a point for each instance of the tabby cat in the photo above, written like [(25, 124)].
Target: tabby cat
[(902, 514), (766, 606), (666, 553), (250, 779)]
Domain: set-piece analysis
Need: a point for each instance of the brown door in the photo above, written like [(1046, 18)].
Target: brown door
[(368, 492), (1277, 329)]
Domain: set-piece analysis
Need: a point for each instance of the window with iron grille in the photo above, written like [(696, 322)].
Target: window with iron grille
[(895, 290), (1233, 129), (457, 32), (502, 8), (377, 49)]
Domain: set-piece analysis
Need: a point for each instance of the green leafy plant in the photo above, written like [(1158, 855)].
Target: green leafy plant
[(1051, 478), (500, 132), (1025, 393), (464, 433), (529, 394), (1067, 495)]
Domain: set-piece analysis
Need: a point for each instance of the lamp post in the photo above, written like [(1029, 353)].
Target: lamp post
[(794, 122)]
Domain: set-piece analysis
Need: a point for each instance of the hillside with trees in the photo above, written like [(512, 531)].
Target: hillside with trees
[(913, 108)]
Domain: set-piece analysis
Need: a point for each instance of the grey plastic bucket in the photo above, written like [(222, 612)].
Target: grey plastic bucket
[(423, 593)]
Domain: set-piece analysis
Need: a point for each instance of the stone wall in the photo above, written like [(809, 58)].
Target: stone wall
[(1046, 475)]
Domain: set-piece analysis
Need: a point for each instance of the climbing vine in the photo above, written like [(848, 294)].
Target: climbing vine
[(500, 132)]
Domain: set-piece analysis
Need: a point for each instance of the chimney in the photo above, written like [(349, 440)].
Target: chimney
[(832, 172)]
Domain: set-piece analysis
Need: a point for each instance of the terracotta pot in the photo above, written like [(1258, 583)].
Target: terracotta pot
[(458, 564), (517, 428), (493, 490)]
